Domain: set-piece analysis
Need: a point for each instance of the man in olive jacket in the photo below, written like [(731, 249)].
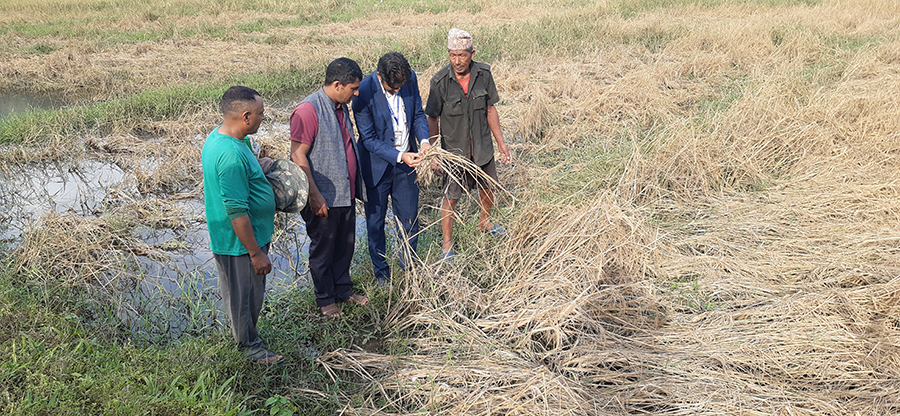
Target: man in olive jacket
[(461, 108)]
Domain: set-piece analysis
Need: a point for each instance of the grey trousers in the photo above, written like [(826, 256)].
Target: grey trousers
[(242, 293)]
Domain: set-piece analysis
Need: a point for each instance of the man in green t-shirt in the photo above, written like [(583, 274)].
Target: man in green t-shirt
[(240, 214)]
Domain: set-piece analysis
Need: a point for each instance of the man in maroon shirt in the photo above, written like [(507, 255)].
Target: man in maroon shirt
[(322, 145)]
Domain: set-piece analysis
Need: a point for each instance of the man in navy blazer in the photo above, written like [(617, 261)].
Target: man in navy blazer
[(392, 130)]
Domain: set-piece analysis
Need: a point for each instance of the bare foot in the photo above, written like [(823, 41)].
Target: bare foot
[(332, 311)]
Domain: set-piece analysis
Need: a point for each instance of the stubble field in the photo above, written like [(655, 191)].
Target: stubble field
[(705, 217)]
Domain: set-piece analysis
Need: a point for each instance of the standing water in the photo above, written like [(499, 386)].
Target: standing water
[(20, 103), (183, 279)]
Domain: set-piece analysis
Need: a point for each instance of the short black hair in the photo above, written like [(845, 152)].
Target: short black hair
[(393, 68), (234, 95), (343, 70)]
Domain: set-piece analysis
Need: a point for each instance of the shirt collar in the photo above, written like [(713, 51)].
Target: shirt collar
[(384, 91)]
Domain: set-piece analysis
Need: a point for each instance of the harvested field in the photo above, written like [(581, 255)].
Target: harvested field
[(706, 215)]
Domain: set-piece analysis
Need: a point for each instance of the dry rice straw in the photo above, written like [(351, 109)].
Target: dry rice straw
[(438, 162)]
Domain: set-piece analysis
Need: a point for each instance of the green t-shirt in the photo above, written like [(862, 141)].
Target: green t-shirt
[(234, 185)]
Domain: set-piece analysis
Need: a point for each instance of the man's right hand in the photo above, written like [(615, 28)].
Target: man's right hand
[(261, 264), (318, 205), (243, 229), (411, 159), (316, 201)]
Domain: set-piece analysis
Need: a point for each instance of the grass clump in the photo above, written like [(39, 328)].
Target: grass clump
[(75, 250)]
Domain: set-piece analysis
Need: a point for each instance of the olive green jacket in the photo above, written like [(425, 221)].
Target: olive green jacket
[(463, 118)]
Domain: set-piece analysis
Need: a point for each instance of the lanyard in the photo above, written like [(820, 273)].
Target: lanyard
[(393, 114)]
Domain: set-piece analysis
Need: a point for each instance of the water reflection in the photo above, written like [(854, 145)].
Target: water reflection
[(88, 188), (34, 189), (20, 103)]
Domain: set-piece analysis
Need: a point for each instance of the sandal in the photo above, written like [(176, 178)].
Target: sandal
[(332, 311), (495, 231), (270, 359), (447, 257), (358, 299)]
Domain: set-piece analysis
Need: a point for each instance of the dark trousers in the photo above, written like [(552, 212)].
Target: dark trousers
[(331, 243), (398, 182), (242, 293)]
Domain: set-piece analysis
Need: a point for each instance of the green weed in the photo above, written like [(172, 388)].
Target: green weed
[(687, 293)]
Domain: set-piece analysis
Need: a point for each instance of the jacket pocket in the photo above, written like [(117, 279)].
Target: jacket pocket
[(454, 106), (479, 99)]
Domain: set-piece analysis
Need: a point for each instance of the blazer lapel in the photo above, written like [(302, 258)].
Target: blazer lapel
[(381, 104)]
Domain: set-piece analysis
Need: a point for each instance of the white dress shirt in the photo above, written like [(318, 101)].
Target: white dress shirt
[(398, 120)]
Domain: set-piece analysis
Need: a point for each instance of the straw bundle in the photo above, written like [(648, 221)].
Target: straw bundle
[(489, 384), (437, 161), (486, 350)]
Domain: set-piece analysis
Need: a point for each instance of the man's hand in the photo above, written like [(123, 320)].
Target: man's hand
[(423, 147), (505, 153), (318, 205), (411, 159), (261, 264), (243, 229), (493, 119), (316, 201)]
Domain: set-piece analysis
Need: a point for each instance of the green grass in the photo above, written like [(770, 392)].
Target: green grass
[(152, 105), (687, 292), (585, 168), (631, 8), (105, 23), (159, 104), (66, 351)]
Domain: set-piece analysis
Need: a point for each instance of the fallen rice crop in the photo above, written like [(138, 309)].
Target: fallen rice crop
[(706, 206)]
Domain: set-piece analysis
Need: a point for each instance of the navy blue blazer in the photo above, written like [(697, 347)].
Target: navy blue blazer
[(376, 130)]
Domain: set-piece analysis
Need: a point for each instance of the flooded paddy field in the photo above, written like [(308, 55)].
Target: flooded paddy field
[(130, 222), (91, 188)]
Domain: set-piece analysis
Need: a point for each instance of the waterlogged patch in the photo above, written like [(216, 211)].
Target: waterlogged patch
[(22, 102), (29, 191), (112, 220)]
